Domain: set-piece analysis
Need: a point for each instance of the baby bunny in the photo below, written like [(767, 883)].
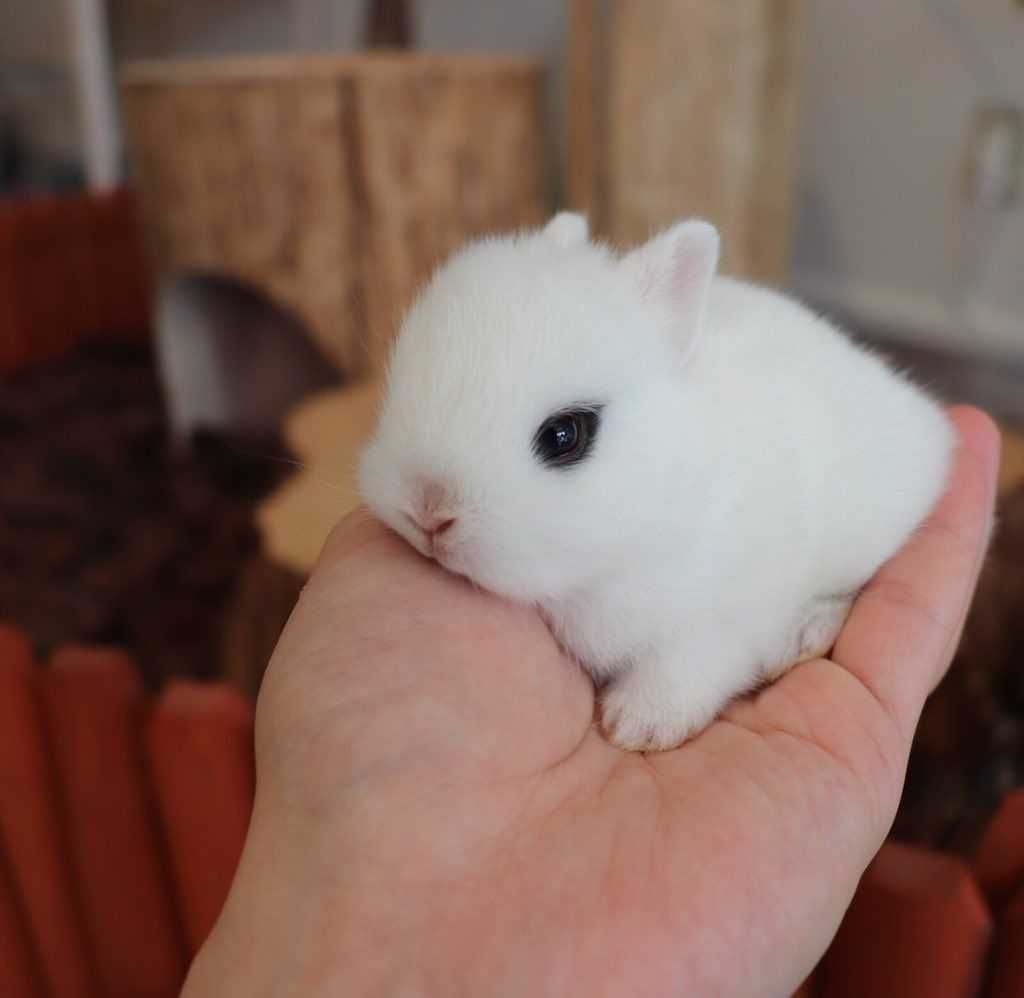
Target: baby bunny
[(690, 476)]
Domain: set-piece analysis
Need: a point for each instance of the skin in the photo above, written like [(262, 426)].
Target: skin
[(437, 812)]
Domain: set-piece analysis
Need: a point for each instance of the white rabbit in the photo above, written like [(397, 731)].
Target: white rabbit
[(690, 476)]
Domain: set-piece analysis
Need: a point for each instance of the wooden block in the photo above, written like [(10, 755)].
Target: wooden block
[(999, 861), (14, 344), (20, 976), (200, 745), (682, 108), (586, 97), (1006, 974), (30, 828), (806, 990), (71, 269), (389, 24), (1011, 469), (333, 184), (124, 291), (327, 432), (259, 608), (917, 928), (95, 710)]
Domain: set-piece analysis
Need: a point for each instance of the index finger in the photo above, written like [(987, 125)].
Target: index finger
[(904, 627)]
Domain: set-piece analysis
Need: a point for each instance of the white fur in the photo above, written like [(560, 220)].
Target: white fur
[(752, 470)]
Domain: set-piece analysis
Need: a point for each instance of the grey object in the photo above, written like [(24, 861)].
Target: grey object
[(230, 359)]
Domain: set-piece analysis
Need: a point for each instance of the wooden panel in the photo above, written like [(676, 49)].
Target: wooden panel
[(441, 161), (31, 832), (333, 184), (199, 743), (698, 118), (583, 143), (95, 706)]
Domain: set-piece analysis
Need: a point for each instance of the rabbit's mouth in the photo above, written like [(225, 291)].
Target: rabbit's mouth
[(457, 555), (445, 552)]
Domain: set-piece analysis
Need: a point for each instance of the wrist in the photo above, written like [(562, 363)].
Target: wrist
[(293, 924)]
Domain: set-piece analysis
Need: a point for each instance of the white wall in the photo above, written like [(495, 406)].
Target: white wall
[(884, 230)]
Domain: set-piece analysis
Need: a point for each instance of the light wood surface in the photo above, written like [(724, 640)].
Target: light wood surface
[(1011, 471), (585, 89), (684, 107), (327, 433), (468, 66), (333, 184)]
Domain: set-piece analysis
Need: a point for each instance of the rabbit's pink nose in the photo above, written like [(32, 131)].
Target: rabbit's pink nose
[(434, 512)]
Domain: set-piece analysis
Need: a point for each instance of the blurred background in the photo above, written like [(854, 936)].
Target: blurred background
[(212, 214)]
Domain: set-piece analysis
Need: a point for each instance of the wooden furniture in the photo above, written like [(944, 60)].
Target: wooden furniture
[(327, 432), (334, 184), (1011, 471), (71, 271), (122, 817), (684, 107)]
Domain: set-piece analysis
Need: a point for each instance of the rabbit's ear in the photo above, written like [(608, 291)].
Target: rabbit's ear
[(567, 229), (678, 266)]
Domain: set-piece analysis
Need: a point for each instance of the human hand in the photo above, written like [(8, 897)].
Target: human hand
[(437, 812)]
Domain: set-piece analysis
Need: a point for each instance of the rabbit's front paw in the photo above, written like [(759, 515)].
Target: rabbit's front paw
[(645, 710)]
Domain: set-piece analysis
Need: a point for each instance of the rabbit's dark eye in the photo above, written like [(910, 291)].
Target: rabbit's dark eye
[(566, 437)]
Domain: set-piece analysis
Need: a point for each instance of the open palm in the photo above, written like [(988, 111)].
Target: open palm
[(437, 812)]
